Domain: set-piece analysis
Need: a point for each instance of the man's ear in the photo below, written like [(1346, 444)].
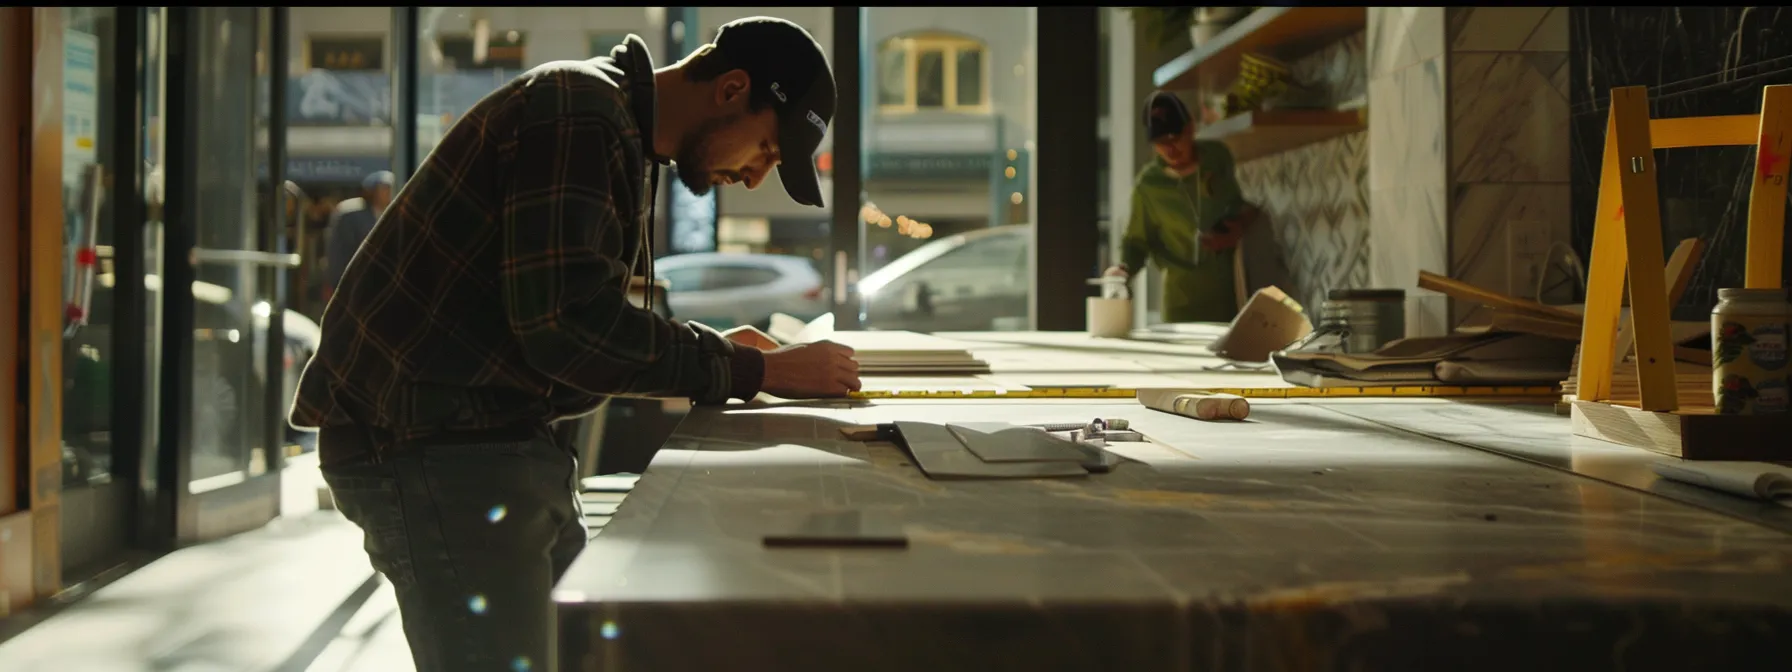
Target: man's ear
[(732, 88)]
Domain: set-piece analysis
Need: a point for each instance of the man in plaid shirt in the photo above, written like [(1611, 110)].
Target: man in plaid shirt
[(490, 300)]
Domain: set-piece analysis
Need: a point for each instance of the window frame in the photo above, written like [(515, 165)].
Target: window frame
[(309, 49), (521, 44), (950, 46)]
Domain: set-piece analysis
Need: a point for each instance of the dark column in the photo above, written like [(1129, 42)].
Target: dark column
[(1066, 235), (848, 130)]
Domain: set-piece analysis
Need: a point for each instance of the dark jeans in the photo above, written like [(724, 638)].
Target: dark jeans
[(473, 538)]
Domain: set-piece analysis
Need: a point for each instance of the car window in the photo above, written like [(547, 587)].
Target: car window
[(996, 256), (683, 279), (737, 277)]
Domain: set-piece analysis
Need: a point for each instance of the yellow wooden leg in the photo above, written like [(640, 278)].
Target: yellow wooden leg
[(1679, 273), (1642, 243), (1605, 280), (1767, 202)]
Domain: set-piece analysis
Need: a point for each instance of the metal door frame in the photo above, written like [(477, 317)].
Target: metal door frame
[(196, 517)]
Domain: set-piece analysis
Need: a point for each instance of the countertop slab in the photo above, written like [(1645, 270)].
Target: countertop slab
[(1304, 538)]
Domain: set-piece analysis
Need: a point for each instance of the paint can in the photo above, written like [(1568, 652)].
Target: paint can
[(1370, 318), (1748, 351)]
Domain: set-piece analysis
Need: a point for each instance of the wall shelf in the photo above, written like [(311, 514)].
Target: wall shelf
[(1282, 32), (1261, 133)]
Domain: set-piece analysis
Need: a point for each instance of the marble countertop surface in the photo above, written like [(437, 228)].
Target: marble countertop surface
[(1304, 534)]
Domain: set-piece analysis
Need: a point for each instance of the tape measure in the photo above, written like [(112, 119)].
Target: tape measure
[(1506, 391)]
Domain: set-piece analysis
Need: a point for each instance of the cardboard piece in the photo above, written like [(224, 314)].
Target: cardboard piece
[(1269, 322)]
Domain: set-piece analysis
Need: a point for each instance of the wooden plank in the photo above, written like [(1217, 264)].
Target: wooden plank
[(1262, 133), (43, 359), (1642, 244), (1689, 435), (1467, 292), (1679, 273), (1767, 199), (1605, 279), (1674, 133)]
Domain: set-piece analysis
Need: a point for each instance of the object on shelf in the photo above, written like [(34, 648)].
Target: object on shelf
[(1259, 78), (1285, 32)]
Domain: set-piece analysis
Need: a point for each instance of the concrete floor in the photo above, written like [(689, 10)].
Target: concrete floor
[(294, 596)]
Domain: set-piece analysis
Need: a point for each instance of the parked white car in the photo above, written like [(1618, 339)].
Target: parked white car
[(726, 290), (973, 281)]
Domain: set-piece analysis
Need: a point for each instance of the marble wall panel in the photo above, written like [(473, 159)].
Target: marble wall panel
[(1509, 152), (1508, 28), (1487, 221), (1406, 126), (1508, 123), (1399, 37), (1696, 61), (1407, 233)]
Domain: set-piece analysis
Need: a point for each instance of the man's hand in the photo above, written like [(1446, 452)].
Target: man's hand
[(811, 371), (752, 338)]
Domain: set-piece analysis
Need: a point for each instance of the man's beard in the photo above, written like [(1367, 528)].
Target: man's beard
[(693, 153)]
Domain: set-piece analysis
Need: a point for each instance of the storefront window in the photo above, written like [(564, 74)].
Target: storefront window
[(88, 355), (948, 157)]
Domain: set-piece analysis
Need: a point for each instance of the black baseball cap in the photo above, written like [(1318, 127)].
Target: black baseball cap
[(787, 67), (1165, 115)]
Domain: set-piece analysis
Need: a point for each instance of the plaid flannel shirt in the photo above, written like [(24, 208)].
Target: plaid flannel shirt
[(493, 292)]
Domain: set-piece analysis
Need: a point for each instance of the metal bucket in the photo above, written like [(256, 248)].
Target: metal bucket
[(1372, 317)]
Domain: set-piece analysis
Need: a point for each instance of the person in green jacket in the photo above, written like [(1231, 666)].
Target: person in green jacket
[(1188, 215)]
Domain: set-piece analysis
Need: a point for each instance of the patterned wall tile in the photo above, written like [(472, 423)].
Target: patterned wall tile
[(1315, 198)]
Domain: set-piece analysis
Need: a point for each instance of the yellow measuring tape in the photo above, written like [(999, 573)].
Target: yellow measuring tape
[(1246, 392)]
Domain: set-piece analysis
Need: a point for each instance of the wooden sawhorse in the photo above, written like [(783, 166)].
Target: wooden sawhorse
[(1628, 229)]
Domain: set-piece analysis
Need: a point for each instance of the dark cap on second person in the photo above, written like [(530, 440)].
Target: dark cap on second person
[(788, 68), (1165, 115)]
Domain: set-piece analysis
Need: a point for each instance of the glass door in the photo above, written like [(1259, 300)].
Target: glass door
[(220, 238), (98, 427)]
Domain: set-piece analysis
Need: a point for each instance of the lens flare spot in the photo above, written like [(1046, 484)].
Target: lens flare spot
[(521, 664), (476, 604), (609, 630), (497, 513)]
